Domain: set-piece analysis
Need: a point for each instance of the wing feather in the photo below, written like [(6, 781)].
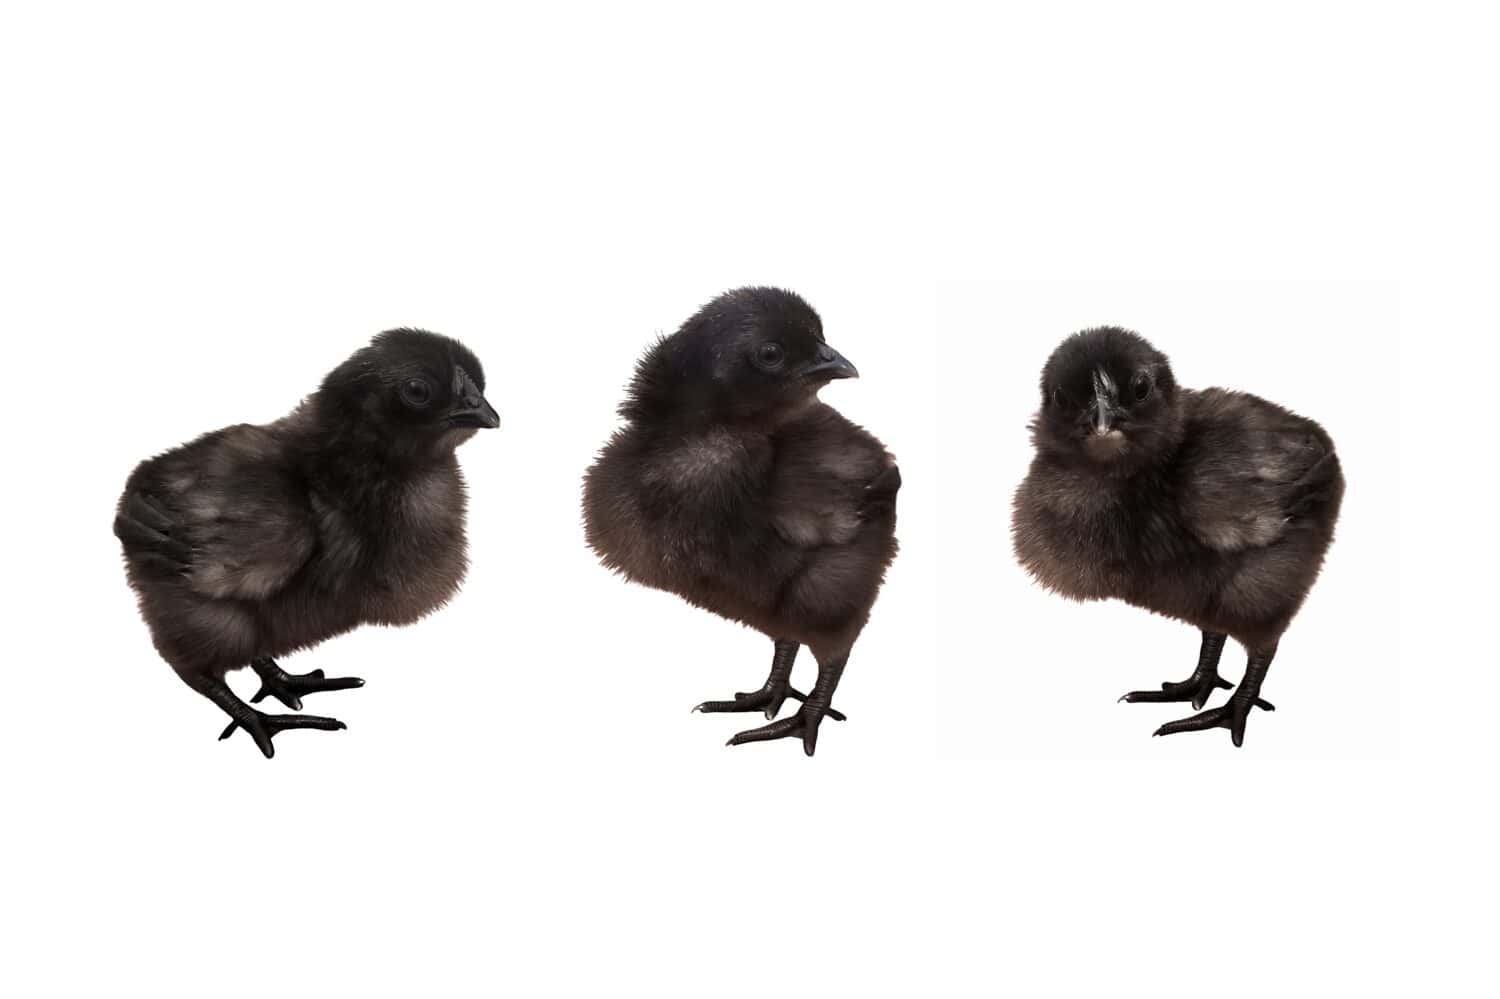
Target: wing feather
[(223, 512), (1250, 468)]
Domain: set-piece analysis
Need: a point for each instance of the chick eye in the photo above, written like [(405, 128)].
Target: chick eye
[(770, 355), (416, 392), (1140, 386), (1057, 398)]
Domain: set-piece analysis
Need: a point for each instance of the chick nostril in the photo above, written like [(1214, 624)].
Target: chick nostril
[(825, 353)]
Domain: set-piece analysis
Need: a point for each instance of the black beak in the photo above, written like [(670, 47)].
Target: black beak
[(472, 409), (829, 365), (482, 415)]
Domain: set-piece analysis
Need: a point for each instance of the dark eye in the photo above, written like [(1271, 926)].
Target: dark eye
[(770, 355), (1057, 398), (1140, 386), (416, 392)]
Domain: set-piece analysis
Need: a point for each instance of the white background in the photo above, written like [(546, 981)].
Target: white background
[(203, 210), (1026, 673)]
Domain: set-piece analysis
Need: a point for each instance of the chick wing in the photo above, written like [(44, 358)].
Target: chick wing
[(1251, 469), (224, 512)]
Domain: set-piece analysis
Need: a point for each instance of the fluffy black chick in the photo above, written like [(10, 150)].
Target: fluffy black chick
[(734, 487), (254, 541), (1212, 507)]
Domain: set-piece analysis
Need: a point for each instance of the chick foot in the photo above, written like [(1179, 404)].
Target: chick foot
[(1196, 688), (288, 687), (774, 693), (263, 726), (1233, 714), (804, 725), (768, 699), (1199, 687)]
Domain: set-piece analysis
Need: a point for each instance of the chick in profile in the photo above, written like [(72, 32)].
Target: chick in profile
[(1212, 507), (254, 541), (734, 487)]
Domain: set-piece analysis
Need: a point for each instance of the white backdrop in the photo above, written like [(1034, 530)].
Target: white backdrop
[(203, 209), (1025, 673)]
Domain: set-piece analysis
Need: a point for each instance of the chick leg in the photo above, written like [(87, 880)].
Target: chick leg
[(1231, 715), (805, 722), (773, 693), (260, 726), (1199, 687), (287, 687)]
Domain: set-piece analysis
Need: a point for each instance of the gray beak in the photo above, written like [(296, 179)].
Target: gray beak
[(471, 409), (829, 365)]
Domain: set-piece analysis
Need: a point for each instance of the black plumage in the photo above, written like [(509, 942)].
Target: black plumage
[(254, 541), (734, 487), (1212, 507)]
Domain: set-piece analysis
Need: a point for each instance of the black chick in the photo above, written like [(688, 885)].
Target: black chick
[(732, 486), (1212, 507), (254, 541)]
